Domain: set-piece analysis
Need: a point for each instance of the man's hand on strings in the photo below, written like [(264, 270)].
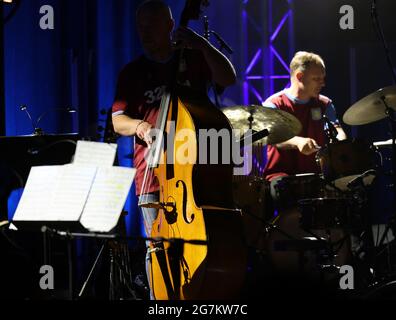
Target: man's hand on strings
[(143, 132)]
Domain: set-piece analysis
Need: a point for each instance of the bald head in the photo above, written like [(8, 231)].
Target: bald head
[(302, 60), (308, 75), (155, 25), (155, 7)]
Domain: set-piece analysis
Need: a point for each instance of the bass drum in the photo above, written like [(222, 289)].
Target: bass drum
[(251, 195), (294, 251)]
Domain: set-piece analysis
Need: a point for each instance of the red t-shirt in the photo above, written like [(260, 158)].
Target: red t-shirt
[(290, 162), (140, 87)]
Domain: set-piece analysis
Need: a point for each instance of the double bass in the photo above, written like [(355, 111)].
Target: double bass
[(200, 252)]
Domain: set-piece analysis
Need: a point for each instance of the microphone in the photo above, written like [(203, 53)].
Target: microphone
[(25, 108), (66, 109), (359, 179), (36, 129)]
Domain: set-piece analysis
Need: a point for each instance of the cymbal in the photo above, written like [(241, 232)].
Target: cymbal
[(371, 108), (280, 124)]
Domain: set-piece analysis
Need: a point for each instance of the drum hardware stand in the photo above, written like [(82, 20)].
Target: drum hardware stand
[(391, 116), (325, 252), (253, 136), (359, 200), (331, 135), (323, 249), (268, 227), (392, 221)]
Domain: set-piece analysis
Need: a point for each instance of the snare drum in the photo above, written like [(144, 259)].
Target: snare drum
[(342, 161)]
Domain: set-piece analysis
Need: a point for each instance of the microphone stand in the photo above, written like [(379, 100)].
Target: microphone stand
[(37, 131), (377, 25)]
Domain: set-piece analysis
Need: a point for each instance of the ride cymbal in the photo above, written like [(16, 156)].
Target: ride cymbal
[(280, 124), (372, 107)]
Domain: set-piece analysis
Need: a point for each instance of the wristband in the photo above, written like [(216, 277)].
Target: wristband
[(138, 125)]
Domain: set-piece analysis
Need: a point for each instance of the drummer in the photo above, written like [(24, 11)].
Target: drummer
[(304, 101)]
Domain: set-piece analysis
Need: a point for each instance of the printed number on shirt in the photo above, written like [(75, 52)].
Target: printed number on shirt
[(154, 95)]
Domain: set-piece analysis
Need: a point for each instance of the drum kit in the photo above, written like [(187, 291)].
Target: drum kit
[(311, 224)]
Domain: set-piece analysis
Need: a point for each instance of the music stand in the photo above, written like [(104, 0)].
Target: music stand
[(20, 153), (86, 195), (120, 272)]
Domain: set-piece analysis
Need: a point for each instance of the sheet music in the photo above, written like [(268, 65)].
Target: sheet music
[(90, 190), (95, 153), (106, 198), (71, 191), (39, 189), (55, 193)]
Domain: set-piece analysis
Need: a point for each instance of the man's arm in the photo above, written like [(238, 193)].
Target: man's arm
[(123, 124), (223, 72), (306, 146), (309, 146), (126, 126)]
